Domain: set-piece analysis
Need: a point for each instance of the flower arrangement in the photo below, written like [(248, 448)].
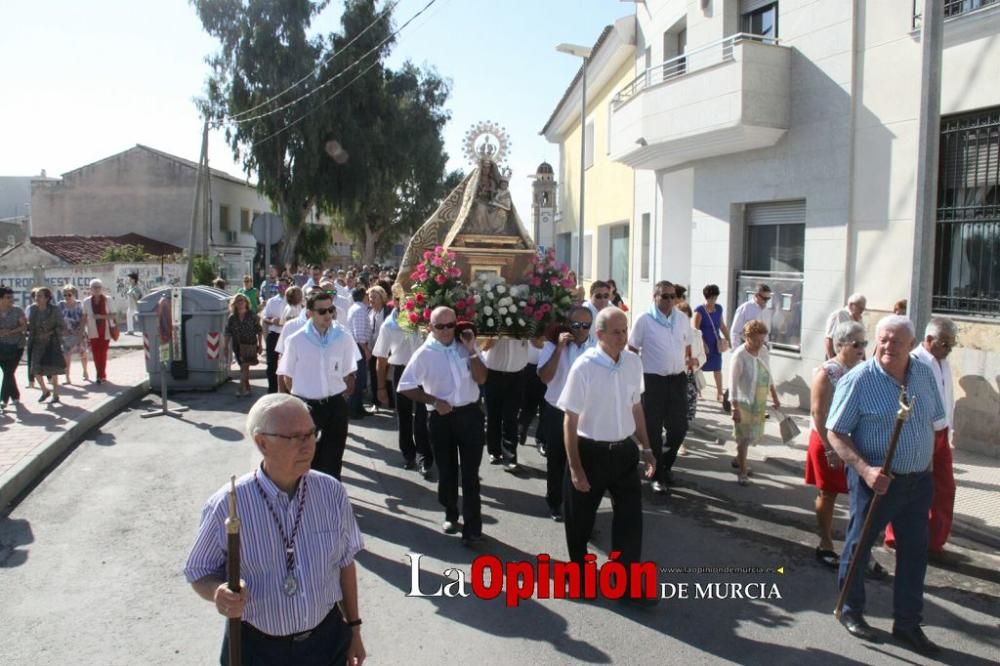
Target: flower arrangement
[(504, 310), (550, 295), (436, 282)]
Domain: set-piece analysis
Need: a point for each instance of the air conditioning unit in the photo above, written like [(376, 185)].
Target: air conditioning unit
[(231, 237)]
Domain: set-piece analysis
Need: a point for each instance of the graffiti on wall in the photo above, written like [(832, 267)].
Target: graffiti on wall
[(114, 277)]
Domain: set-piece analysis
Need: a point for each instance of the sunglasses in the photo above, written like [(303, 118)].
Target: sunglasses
[(323, 311), (859, 344), (577, 325), (441, 327), (668, 297)]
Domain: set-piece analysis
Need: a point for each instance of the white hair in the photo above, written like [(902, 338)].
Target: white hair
[(895, 322), (939, 326), (858, 299), (96, 283), (262, 416), (846, 333), (601, 322)]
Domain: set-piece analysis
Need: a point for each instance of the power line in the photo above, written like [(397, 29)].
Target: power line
[(335, 76), (315, 72)]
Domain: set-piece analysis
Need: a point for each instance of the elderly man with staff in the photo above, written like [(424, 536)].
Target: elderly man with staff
[(889, 475), (298, 541)]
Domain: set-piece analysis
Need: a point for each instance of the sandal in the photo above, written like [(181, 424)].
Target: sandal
[(827, 558)]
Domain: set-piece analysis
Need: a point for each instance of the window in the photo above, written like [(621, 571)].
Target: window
[(245, 220), (775, 253), (223, 217), (966, 271), (759, 17), (644, 248), (588, 257), (956, 7), (564, 246), (618, 257), (588, 145)]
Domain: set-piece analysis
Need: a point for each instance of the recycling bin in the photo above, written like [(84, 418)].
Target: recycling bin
[(203, 363)]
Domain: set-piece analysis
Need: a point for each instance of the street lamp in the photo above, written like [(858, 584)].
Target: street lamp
[(581, 52)]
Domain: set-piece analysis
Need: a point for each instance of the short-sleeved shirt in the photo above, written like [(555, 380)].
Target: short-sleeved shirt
[(395, 344), (327, 541), (662, 347), (864, 407), (603, 397), (318, 372), (446, 375), (507, 355), (750, 311), (836, 318), (555, 387), (11, 319)]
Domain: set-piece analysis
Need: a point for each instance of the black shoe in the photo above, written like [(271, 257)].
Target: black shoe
[(659, 488), (45, 396), (522, 435), (543, 450), (495, 460), (425, 470), (857, 627), (471, 539), (449, 527), (557, 515), (410, 464), (512, 467), (670, 479), (827, 558), (916, 639)]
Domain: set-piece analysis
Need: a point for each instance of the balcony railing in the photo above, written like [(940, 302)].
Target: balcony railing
[(690, 61)]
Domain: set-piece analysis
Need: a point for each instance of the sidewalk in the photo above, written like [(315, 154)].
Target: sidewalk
[(977, 477), (34, 435)]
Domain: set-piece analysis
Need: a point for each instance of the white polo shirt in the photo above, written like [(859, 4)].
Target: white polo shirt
[(603, 398), (942, 377), (662, 347), (289, 329), (836, 318), (316, 372), (534, 353), (395, 344), (272, 310), (750, 311), (507, 355), (444, 375), (343, 303), (572, 351)]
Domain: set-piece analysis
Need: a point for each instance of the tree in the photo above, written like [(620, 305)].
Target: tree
[(366, 145)]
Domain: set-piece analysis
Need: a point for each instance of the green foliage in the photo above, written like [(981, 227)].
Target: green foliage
[(126, 254), (203, 271), (368, 144), (314, 244)]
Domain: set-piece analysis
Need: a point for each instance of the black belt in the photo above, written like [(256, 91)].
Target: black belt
[(320, 401), (603, 445), (333, 615)]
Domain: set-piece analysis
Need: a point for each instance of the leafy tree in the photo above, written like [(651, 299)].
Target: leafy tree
[(203, 270), (314, 244), (129, 254), (367, 146)]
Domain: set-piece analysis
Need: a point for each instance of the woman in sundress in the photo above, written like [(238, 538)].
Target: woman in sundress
[(45, 330), (74, 339), (750, 381)]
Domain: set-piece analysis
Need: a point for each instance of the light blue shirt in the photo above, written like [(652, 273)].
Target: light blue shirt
[(864, 407), (328, 538)]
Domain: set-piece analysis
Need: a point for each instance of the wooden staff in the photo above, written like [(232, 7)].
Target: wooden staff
[(233, 573), (902, 416)]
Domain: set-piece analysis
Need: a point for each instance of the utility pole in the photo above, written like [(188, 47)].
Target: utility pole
[(196, 205), (922, 279)]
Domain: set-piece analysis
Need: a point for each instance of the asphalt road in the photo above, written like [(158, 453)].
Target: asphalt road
[(91, 564)]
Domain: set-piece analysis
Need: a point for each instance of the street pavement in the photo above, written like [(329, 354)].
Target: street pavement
[(91, 561)]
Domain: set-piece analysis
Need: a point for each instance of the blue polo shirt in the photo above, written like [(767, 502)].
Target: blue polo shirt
[(864, 407)]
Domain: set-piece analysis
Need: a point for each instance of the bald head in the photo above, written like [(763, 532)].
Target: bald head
[(441, 316)]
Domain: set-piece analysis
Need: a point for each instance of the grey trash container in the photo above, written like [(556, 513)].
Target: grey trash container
[(204, 312)]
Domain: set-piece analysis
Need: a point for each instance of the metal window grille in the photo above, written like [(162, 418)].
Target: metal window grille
[(966, 270), (952, 8)]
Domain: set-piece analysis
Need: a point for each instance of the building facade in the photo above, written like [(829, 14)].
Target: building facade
[(609, 186), (777, 141)]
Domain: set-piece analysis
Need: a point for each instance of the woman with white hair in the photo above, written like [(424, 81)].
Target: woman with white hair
[(101, 327), (824, 469)]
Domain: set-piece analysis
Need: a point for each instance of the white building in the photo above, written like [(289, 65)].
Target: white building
[(777, 141)]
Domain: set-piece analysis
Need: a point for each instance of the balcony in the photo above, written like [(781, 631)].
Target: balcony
[(726, 97)]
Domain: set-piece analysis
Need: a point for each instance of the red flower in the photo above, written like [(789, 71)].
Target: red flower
[(470, 313), (436, 261), (531, 300), (539, 315), (440, 279), (413, 317), (460, 305), (567, 284), (427, 314), (409, 305), (527, 310), (415, 275), (428, 254), (554, 281), (420, 299), (536, 282)]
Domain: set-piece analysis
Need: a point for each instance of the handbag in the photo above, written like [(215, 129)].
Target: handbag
[(113, 329), (786, 426), (721, 343), (248, 354), (699, 380)]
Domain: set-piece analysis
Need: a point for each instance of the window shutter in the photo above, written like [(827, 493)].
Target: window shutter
[(747, 6), (776, 212)]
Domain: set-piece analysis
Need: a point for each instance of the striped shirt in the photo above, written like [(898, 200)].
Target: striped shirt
[(359, 324), (864, 407), (327, 541)]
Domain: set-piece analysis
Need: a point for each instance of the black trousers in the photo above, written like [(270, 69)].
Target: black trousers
[(326, 645), (457, 439), (613, 468), (551, 426), (665, 405), (373, 384), (414, 442), (502, 393), (330, 418), (9, 390), (270, 342), (533, 402)]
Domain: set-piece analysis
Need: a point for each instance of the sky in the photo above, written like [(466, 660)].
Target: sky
[(81, 81)]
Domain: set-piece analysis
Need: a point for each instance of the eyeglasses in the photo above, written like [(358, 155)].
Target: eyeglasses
[(668, 297), (946, 345), (765, 298), (603, 296), (312, 435), (577, 325), (323, 311), (859, 344), (441, 327)]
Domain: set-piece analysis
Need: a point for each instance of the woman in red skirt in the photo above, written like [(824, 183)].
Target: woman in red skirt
[(824, 469)]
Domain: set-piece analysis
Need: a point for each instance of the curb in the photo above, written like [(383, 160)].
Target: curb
[(34, 466)]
